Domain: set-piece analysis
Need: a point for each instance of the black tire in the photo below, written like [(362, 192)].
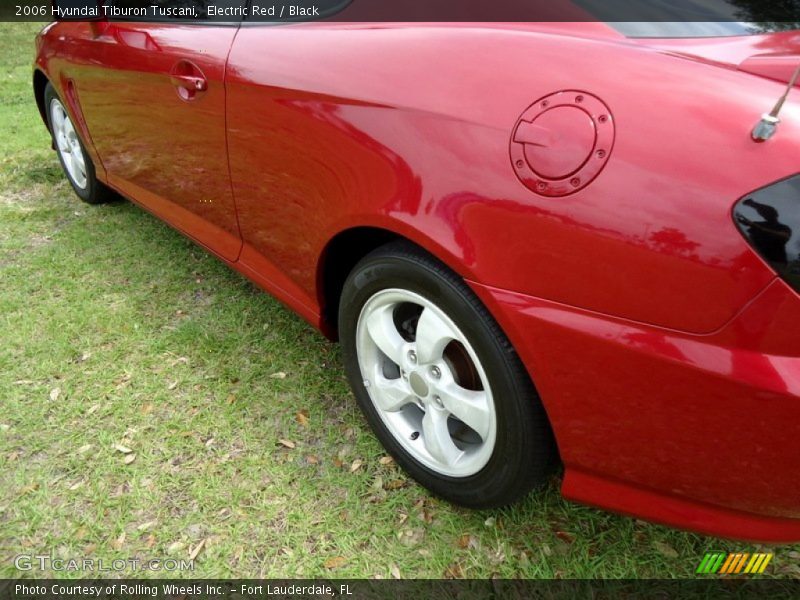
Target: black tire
[(94, 191), (524, 452)]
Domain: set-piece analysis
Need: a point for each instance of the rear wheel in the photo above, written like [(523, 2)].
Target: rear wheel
[(439, 382), (72, 155)]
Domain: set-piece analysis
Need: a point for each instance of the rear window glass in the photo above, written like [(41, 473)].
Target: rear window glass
[(669, 29), (694, 18)]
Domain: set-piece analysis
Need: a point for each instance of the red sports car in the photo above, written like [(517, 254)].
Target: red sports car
[(538, 243)]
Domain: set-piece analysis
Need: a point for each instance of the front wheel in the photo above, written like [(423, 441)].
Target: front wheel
[(72, 153), (439, 382)]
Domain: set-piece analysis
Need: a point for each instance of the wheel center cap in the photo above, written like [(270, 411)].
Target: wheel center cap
[(418, 385)]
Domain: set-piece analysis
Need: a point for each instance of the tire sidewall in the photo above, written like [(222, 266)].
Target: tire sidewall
[(513, 446)]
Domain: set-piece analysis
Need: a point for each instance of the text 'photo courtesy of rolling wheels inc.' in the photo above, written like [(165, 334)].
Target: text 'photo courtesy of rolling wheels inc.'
[(436, 298)]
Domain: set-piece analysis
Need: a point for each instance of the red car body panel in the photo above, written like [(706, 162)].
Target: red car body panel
[(728, 401), (664, 348), (773, 55), (167, 153), (389, 155)]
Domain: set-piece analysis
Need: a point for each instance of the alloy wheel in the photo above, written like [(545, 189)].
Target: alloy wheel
[(426, 382), (67, 144)]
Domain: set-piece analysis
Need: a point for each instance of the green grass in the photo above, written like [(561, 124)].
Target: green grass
[(116, 330)]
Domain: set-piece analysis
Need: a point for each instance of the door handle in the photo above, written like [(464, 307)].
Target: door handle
[(188, 80), (190, 83)]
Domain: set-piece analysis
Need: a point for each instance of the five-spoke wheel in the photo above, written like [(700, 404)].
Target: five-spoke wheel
[(67, 144), (72, 155), (427, 382), (439, 382)]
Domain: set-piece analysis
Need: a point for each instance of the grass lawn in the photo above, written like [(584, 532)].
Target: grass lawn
[(155, 404)]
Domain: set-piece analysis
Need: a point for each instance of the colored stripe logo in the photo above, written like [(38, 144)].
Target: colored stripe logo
[(724, 563)]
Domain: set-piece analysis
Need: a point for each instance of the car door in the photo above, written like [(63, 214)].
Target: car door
[(153, 98)]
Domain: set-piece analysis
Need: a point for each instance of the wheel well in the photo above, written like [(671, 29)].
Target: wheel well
[(39, 83), (340, 256)]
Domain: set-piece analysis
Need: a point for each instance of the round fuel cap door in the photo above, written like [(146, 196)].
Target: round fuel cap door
[(562, 142)]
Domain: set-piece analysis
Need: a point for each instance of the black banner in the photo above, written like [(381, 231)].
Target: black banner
[(765, 13), (254, 589)]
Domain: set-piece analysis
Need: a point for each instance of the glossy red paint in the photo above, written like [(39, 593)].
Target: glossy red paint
[(164, 149), (664, 348), (677, 424)]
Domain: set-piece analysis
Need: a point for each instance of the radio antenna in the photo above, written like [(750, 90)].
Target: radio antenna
[(768, 124)]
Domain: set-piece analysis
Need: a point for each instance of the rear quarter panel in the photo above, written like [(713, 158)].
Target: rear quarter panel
[(407, 128)]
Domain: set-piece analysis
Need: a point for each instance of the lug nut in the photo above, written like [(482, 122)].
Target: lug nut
[(412, 357), (436, 372), (438, 402)]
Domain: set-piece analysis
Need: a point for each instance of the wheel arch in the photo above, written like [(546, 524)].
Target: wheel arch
[(40, 82), (350, 245), (339, 256)]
